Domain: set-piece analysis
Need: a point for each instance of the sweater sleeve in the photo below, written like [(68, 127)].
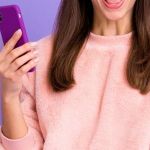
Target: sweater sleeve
[(33, 140)]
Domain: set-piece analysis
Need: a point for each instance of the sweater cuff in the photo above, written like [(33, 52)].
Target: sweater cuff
[(24, 143)]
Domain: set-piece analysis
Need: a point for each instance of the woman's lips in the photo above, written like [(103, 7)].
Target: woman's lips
[(113, 4)]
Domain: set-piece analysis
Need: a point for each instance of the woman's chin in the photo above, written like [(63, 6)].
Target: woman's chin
[(113, 16)]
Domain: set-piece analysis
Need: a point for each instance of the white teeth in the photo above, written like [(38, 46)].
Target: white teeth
[(113, 1)]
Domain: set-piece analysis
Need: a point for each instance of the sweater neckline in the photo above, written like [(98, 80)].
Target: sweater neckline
[(123, 39)]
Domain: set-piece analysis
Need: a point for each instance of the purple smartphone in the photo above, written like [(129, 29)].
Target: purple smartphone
[(10, 21)]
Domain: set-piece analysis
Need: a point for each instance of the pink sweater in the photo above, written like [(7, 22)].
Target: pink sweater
[(101, 112)]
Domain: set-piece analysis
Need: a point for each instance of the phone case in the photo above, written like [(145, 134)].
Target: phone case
[(10, 21)]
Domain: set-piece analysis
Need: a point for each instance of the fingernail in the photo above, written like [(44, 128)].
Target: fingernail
[(19, 31), (33, 44)]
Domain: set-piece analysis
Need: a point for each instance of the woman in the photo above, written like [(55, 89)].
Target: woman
[(91, 87)]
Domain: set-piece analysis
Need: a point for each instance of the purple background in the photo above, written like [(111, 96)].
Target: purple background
[(38, 16)]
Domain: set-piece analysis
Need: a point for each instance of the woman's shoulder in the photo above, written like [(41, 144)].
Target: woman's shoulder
[(46, 41), (44, 47)]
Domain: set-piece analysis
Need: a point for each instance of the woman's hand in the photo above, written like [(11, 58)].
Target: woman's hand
[(12, 64)]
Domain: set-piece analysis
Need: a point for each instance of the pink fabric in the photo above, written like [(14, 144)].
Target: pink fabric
[(101, 112)]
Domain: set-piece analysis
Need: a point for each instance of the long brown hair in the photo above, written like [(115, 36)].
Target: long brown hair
[(73, 24)]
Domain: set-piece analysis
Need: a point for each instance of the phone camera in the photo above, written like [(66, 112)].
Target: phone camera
[(1, 17)]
